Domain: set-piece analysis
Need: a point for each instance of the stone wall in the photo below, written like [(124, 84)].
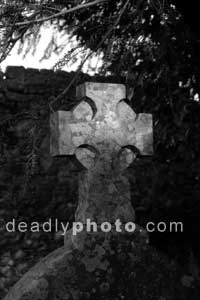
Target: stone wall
[(34, 186), (28, 176), (20, 86), (25, 95)]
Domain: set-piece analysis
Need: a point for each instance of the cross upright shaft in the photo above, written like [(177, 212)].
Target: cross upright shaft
[(101, 131)]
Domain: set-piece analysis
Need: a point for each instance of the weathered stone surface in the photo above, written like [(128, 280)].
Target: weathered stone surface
[(2, 85), (106, 119), (15, 85), (34, 284), (2, 98), (105, 134), (1, 75), (15, 72), (15, 96), (107, 266), (96, 131)]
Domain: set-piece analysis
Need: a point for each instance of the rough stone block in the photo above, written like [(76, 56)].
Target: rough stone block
[(2, 98), (15, 85), (13, 72), (13, 96)]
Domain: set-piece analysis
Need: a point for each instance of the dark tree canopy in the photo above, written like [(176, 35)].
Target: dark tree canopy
[(190, 13), (90, 20)]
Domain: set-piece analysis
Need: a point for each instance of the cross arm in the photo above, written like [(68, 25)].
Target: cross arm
[(137, 129), (70, 129), (60, 133), (144, 134)]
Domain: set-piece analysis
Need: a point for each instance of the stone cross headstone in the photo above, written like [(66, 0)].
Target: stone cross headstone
[(104, 133)]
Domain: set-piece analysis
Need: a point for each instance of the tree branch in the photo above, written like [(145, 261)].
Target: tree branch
[(60, 96), (59, 14)]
